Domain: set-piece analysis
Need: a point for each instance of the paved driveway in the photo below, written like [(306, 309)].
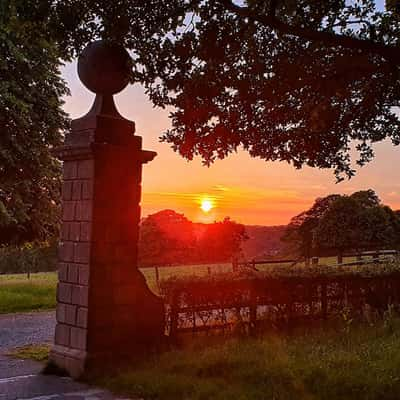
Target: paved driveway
[(21, 379)]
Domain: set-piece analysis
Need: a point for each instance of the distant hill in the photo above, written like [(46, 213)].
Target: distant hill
[(264, 242)]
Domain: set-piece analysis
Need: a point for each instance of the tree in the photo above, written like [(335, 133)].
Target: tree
[(166, 237), (300, 231), (357, 222), (335, 224), (31, 122), (339, 229), (285, 80), (221, 241)]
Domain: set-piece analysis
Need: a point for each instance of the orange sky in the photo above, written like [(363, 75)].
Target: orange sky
[(248, 190)]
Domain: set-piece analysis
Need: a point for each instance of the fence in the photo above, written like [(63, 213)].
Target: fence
[(256, 301)]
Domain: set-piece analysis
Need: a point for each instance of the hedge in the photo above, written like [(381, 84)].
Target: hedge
[(279, 296)]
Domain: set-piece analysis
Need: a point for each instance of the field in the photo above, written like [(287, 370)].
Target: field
[(20, 294)]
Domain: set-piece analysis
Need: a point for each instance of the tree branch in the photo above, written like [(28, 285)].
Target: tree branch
[(390, 53)]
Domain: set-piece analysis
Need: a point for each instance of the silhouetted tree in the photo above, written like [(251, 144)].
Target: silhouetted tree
[(285, 80), (300, 231), (357, 222), (166, 237), (221, 241), (336, 224)]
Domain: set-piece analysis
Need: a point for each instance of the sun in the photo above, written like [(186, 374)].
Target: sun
[(206, 205)]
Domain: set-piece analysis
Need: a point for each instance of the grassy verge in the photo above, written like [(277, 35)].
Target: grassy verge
[(19, 294), (337, 364), (39, 352)]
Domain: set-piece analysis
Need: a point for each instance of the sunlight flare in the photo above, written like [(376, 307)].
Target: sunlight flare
[(206, 205)]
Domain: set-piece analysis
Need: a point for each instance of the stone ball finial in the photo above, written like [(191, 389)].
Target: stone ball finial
[(104, 67)]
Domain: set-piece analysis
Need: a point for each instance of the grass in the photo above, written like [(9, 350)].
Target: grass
[(333, 364), (39, 352), (19, 294)]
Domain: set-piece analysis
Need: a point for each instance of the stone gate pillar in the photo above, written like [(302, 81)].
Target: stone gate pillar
[(105, 311)]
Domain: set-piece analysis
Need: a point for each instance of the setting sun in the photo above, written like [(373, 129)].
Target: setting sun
[(206, 205)]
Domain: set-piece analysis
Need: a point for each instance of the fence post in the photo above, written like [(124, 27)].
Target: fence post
[(157, 276), (324, 300), (340, 258), (314, 261), (209, 270), (174, 316)]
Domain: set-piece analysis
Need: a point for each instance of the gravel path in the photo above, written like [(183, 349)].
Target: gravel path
[(28, 328)]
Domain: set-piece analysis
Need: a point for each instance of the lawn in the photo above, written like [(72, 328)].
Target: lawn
[(361, 362), (20, 294)]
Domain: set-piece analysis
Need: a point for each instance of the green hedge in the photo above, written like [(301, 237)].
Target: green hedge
[(280, 296), (31, 257)]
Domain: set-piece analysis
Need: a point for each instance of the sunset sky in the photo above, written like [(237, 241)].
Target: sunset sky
[(248, 190)]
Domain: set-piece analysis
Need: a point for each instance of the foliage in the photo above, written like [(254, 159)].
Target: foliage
[(313, 364), (166, 237), (31, 122), (30, 257), (170, 238), (221, 240), (280, 297), (338, 223), (285, 80), (299, 232)]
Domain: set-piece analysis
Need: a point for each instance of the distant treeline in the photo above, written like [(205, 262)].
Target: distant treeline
[(168, 238)]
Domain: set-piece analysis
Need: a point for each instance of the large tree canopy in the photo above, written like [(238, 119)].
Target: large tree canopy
[(285, 80), (338, 223), (31, 122)]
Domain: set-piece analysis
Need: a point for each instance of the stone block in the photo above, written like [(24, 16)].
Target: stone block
[(64, 234), (80, 295), (66, 251), (78, 338), (61, 312), (66, 190), (83, 210), (82, 317), (70, 314), (82, 252), (63, 272), (77, 190), (85, 231), (73, 273), (74, 231), (64, 292), (87, 189), (68, 210), (124, 295), (86, 169), (62, 334), (70, 169), (124, 254), (83, 275)]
